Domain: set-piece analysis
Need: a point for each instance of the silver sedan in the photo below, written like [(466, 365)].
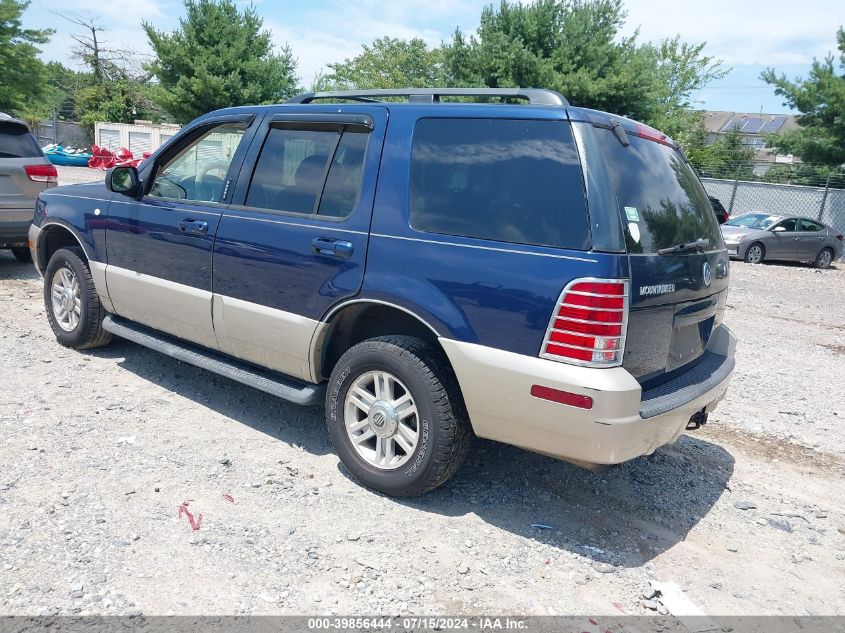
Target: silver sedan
[(760, 236)]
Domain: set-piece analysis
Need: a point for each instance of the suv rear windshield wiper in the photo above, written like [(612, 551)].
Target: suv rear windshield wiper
[(685, 247)]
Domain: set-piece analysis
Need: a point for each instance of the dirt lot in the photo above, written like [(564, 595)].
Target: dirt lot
[(99, 449)]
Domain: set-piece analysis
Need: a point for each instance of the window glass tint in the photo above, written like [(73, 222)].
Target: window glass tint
[(499, 179), (809, 225), (291, 169), (344, 180), (17, 142), (198, 171), (788, 225), (660, 199)]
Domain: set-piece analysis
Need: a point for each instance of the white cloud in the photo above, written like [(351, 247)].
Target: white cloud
[(752, 32)]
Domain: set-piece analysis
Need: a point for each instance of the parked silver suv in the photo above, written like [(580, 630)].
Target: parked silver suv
[(24, 173)]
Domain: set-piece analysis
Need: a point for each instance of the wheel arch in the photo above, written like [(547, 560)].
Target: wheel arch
[(354, 321), (52, 237)]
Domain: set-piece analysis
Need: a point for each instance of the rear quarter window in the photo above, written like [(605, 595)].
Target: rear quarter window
[(507, 180), (17, 142)]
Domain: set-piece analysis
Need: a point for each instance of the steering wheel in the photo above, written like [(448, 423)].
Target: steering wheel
[(208, 186)]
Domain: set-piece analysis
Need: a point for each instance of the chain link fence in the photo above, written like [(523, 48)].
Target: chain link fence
[(808, 191)]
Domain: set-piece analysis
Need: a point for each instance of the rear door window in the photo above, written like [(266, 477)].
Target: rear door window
[(809, 225), (507, 180), (309, 171), (661, 201), (17, 142)]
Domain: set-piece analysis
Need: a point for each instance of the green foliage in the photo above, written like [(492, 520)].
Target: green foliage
[(22, 74), (119, 100), (727, 157), (387, 63), (218, 57), (575, 47), (681, 69), (821, 100)]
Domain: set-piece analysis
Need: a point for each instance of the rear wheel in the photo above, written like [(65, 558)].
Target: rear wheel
[(22, 254), (72, 303), (824, 258), (395, 415), (755, 254)]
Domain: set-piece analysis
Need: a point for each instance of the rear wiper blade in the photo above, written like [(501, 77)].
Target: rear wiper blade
[(685, 247)]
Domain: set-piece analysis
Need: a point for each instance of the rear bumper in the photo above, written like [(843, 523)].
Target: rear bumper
[(623, 422), (14, 225)]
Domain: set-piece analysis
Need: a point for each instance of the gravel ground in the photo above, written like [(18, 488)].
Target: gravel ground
[(100, 449)]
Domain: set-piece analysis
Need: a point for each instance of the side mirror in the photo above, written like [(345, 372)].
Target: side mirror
[(779, 229), (123, 180)]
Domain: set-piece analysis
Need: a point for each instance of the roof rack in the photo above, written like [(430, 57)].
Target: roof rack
[(534, 96)]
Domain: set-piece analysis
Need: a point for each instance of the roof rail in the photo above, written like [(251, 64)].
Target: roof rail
[(534, 96)]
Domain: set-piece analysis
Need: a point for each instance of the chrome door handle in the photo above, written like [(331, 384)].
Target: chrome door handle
[(196, 227), (328, 246)]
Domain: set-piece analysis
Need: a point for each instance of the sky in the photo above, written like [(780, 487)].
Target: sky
[(747, 36)]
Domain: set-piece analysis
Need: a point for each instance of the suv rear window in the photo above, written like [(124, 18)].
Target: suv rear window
[(17, 142), (508, 180), (660, 198)]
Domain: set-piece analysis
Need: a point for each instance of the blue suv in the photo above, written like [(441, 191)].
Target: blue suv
[(430, 263)]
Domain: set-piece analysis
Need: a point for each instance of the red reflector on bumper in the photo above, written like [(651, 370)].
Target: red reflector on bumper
[(562, 397)]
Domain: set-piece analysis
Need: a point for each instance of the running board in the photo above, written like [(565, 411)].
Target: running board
[(291, 389)]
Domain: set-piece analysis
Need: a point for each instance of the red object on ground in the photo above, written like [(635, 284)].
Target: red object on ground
[(195, 523), (103, 158), (229, 498)]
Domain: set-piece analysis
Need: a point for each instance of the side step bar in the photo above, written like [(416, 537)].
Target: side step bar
[(296, 391)]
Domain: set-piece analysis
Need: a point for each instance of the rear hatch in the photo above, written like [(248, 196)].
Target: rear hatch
[(24, 171), (677, 259)]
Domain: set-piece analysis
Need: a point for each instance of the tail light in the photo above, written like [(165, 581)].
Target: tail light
[(839, 237), (589, 324), (42, 173)]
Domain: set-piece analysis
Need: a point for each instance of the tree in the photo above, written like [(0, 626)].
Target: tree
[(821, 101), (727, 157), (387, 63), (682, 68), (22, 74), (575, 47), (218, 57)]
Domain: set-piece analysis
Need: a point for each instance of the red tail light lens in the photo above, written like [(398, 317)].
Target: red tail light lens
[(42, 173), (589, 323), (839, 237)]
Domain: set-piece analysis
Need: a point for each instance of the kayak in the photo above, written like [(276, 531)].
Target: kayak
[(58, 155)]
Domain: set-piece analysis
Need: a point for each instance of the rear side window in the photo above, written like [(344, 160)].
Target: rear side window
[(508, 180), (809, 225), (309, 171), (17, 142), (660, 199)]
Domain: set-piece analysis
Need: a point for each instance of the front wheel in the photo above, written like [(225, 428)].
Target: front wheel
[(72, 303), (824, 258), (395, 415), (755, 254)]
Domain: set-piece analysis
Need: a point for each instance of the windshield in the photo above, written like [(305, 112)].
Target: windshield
[(660, 198), (755, 221)]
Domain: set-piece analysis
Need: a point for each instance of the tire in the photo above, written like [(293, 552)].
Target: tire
[(824, 259), (755, 253), (22, 255), (442, 428), (85, 331)]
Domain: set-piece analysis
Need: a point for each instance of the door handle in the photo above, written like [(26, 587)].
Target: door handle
[(195, 227), (328, 246)]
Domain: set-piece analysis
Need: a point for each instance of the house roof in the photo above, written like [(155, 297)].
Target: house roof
[(752, 123)]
